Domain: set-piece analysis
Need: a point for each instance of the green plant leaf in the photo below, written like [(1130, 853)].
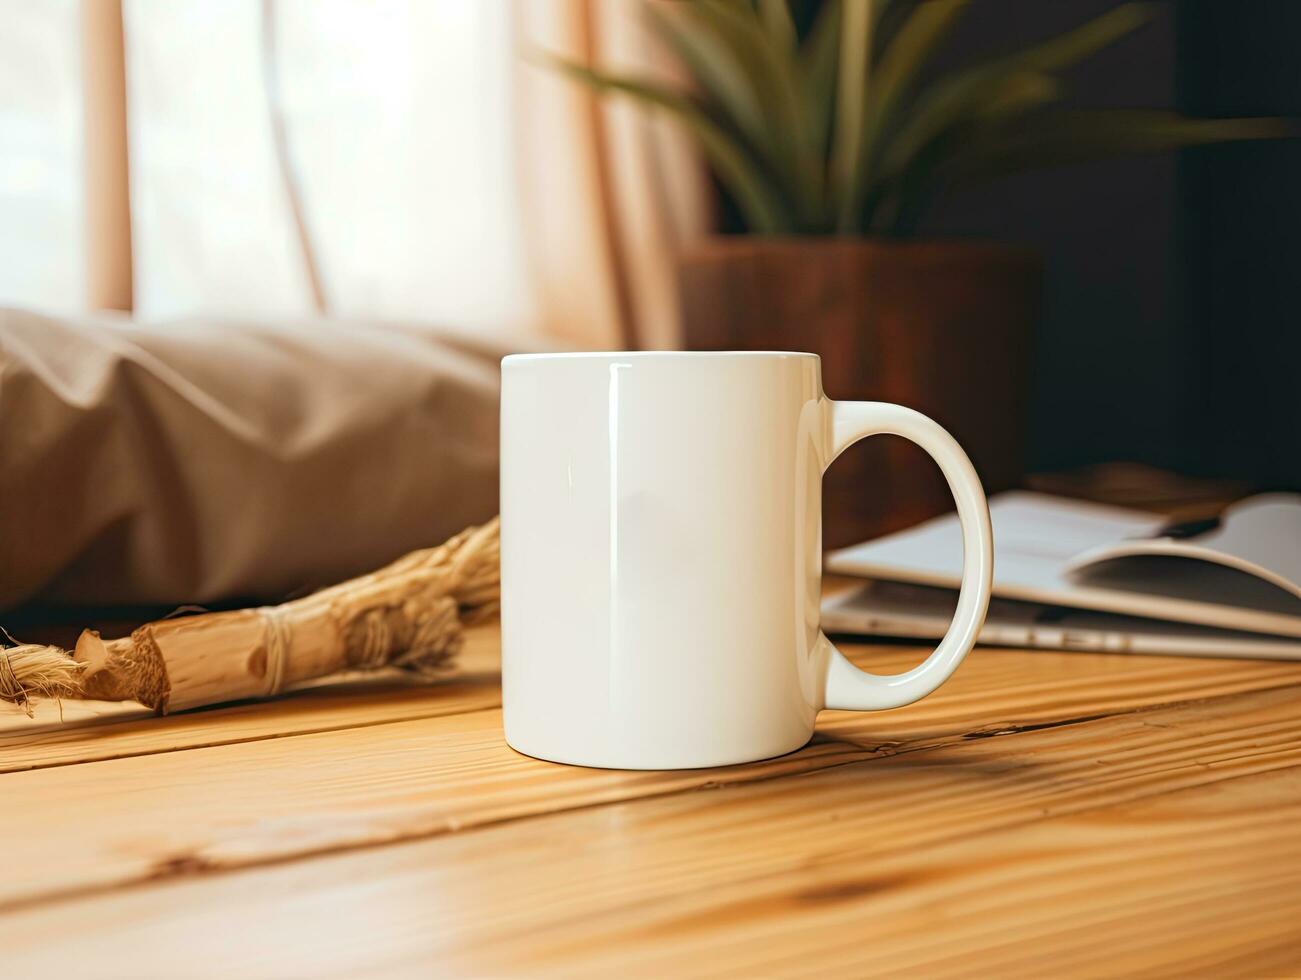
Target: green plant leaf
[(818, 65), (959, 103), (776, 16), (724, 78), (899, 67), (906, 182), (857, 19), (1057, 138), (762, 206), (774, 76), (1017, 92), (962, 95), (1075, 136), (831, 135), (999, 88), (1080, 42), (907, 54)]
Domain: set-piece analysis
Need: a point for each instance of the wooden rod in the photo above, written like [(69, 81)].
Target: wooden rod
[(108, 283)]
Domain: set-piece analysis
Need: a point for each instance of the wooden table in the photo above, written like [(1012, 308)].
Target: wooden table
[(1043, 814)]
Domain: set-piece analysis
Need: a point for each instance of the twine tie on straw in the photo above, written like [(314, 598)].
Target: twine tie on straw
[(278, 637), (375, 642)]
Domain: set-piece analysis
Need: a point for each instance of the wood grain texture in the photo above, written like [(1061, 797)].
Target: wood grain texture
[(1165, 841), (1080, 814), (92, 731), (174, 812), (1031, 685)]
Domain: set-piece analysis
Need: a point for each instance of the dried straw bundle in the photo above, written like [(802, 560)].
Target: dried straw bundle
[(408, 615)]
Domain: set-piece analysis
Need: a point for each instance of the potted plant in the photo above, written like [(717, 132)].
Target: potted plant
[(832, 147)]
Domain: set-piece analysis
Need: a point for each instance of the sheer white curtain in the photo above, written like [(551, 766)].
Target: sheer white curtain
[(41, 202), (399, 135), (398, 131), (357, 158)]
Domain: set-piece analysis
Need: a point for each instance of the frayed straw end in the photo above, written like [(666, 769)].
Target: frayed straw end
[(30, 671)]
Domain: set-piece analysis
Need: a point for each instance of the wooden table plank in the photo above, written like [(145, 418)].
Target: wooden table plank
[(99, 730), (259, 801), (1189, 884), (1164, 840), (340, 706), (1037, 687)]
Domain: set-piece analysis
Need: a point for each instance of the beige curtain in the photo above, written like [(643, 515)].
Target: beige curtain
[(609, 195)]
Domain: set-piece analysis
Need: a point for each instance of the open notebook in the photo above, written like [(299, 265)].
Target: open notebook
[(1072, 574)]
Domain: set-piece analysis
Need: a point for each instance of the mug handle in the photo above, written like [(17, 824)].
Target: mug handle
[(848, 687)]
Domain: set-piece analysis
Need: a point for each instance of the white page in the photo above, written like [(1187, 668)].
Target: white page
[(1260, 535), (1036, 536)]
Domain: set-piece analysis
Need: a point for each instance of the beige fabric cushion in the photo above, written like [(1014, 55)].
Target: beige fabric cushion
[(202, 460)]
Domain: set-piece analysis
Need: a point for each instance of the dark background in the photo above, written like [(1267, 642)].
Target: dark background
[(1171, 324)]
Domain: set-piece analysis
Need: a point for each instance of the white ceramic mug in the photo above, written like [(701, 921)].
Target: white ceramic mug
[(661, 556)]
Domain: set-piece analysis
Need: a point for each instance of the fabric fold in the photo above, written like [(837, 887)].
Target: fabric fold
[(204, 459)]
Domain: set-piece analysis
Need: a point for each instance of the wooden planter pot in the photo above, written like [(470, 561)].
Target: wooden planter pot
[(942, 327)]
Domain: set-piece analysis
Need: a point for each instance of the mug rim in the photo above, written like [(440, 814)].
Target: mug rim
[(646, 355)]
